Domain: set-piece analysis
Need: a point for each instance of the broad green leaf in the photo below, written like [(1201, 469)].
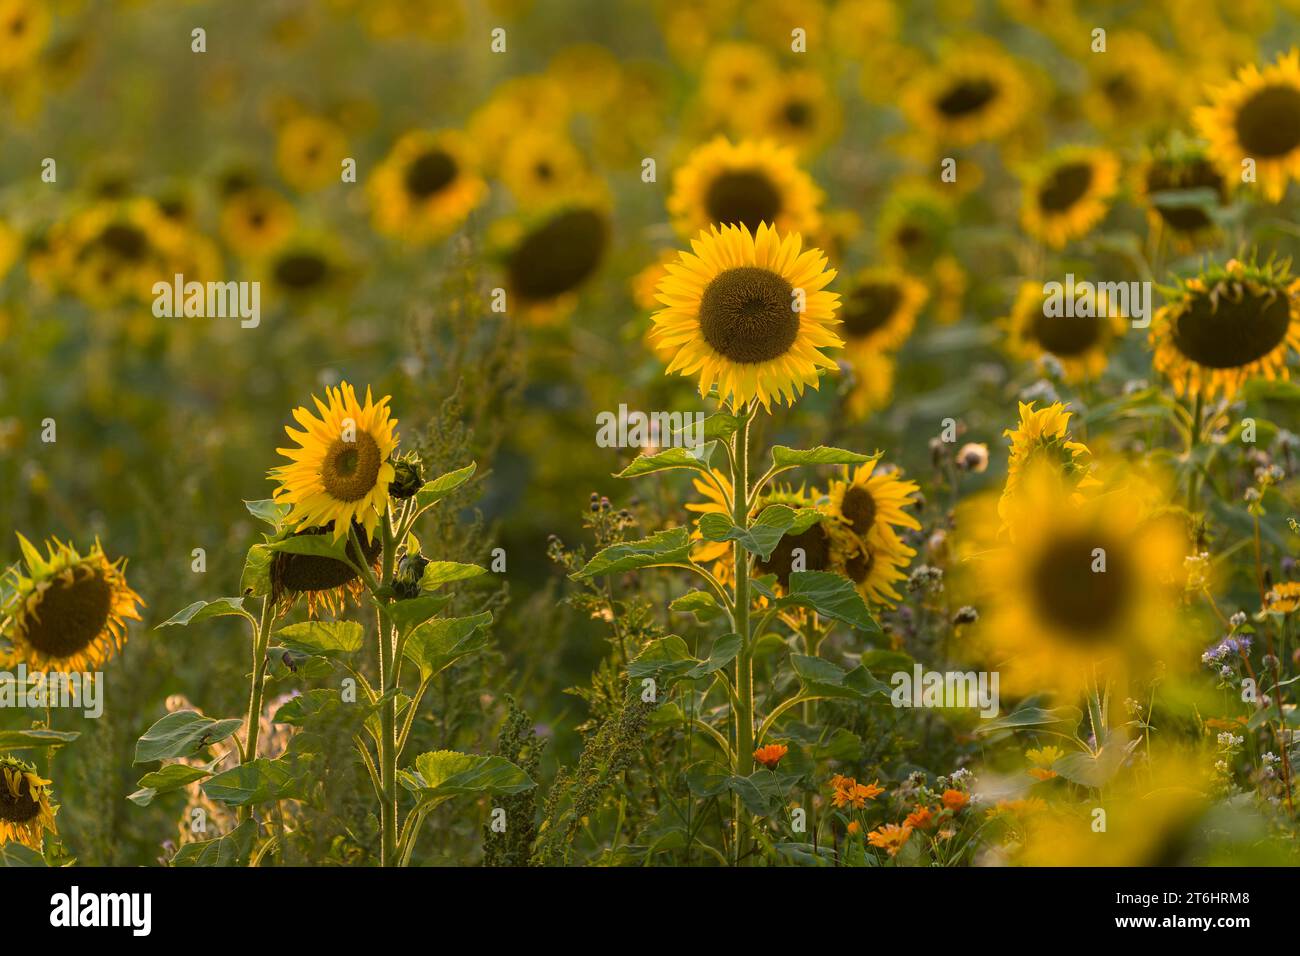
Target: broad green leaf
[(702, 604), (182, 734), (29, 739), (722, 653), (312, 545), (203, 610), (431, 492), (666, 547), (171, 777), (1091, 770), (438, 644), (261, 780), (14, 853), (1030, 717), (255, 580), (270, 511), (720, 427), (663, 657), (442, 774), (322, 638), (783, 457), (822, 678), (765, 533), (439, 573), (688, 458), (830, 595), (229, 850), (762, 792), (409, 614)]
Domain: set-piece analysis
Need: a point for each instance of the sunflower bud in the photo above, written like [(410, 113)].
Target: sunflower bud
[(410, 569), (408, 477)]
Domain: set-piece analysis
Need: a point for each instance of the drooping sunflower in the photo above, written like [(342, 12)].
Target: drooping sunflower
[(811, 549), (341, 469), (68, 612), (553, 254), (1081, 342), (326, 582), (256, 222), (310, 152), (1041, 444), (1086, 589), (879, 310), (1069, 193), (1227, 325), (1256, 117), (975, 93), (1181, 186), (542, 165), (26, 813), (730, 314), (746, 183), (425, 187)]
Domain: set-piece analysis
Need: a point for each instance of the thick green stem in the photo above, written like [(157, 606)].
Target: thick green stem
[(745, 659), (253, 722), (388, 670)]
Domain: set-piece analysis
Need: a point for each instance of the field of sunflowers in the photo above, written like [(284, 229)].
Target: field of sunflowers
[(745, 433)]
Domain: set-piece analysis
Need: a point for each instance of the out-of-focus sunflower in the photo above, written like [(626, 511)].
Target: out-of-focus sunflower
[(870, 382), (1256, 117), (304, 267), (255, 222), (731, 313), (542, 165), (26, 813), (1087, 588), (1081, 343), (1041, 442), (68, 612), (589, 73), (975, 93), (915, 226), (802, 111), (341, 469), (24, 28), (520, 103), (1180, 186), (1283, 598), (736, 79), (326, 582), (552, 254), (746, 183), (880, 308), (1133, 86), (425, 187), (1229, 324), (310, 151), (114, 251), (858, 26), (1068, 193)]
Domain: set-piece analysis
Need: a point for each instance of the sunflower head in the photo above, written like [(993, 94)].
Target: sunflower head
[(748, 313), (915, 227), (1182, 186), (324, 581), (879, 311), (1069, 193), (1229, 324), (1042, 449), (426, 186), (26, 814), (68, 611), (341, 470), (975, 93), (555, 253), (1081, 342)]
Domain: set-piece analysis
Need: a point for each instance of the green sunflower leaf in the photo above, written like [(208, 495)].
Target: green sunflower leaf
[(31, 739), (408, 614), (702, 604), (322, 638), (313, 545), (182, 734), (255, 581), (765, 533), (16, 854), (823, 678), (439, 573), (666, 547), (171, 777), (442, 774), (229, 850), (784, 457), (203, 610), (431, 492), (692, 459), (262, 780), (436, 645), (270, 511), (830, 595)]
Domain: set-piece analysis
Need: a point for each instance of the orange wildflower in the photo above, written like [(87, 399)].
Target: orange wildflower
[(955, 800), (890, 837), (770, 755), (920, 818)]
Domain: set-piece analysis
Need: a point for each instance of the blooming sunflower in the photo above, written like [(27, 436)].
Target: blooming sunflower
[(1041, 442), (1256, 116), (975, 93), (746, 183), (256, 221), (24, 28), (1080, 342), (880, 308), (730, 314), (1180, 185), (341, 469), (26, 814), (801, 112), (1069, 193), (425, 187), (542, 165), (310, 152), (68, 612), (871, 503), (554, 255), (1229, 324), (915, 226)]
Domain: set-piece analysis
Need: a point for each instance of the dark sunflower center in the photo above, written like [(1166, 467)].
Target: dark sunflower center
[(1119, 89), (1268, 124), (1198, 174), (544, 171), (125, 241), (1069, 594), (869, 307), (1064, 186), (21, 808), (743, 197), (858, 567), (430, 173), (71, 614), (858, 508), (1242, 328), (966, 97), (1066, 335), (798, 113), (746, 315), (815, 544), (350, 469), (300, 270), (559, 256), (305, 572)]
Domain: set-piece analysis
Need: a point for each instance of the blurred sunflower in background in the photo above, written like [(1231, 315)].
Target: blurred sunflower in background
[(542, 165), (1229, 324), (68, 611), (1041, 443), (974, 93), (1183, 190), (26, 813), (1068, 193), (802, 111), (425, 187), (256, 221), (1081, 342), (553, 253), (341, 468), (734, 318), (310, 152), (879, 310), (869, 382)]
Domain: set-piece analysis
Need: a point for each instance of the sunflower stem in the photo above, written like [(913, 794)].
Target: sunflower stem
[(253, 721), (744, 753), (388, 670)]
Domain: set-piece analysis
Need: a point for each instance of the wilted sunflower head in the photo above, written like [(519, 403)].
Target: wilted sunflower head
[(555, 255), (341, 470), (1227, 325), (68, 612), (749, 314), (748, 183), (1080, 342), (26, 814), (1256, 117), (1069, 193), (324, 581), (426, 186), (1181, 186)]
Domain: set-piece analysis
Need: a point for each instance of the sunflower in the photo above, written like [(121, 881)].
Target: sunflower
[(1181, 185), (256, 222), (24, 28), (717, 494), (1229, 324), (1283, 598), (26, 814), (746, 183), (869, 382), (1256, 116), (1086, 588), (341, 469), (1134, 86), (554, 255), (589, 73), (542, 165), (809, 550), (1080, 343), (68, 612), (520, 103), (802, 112), (879, 310), (1041, 443), (425, 187), (736, 79), (976, 93), (730, 314), (114, 251), (872, 503), (310, 153), (303, 266), (873, 566), (915, 226), (326, 582), (1069, 193)]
